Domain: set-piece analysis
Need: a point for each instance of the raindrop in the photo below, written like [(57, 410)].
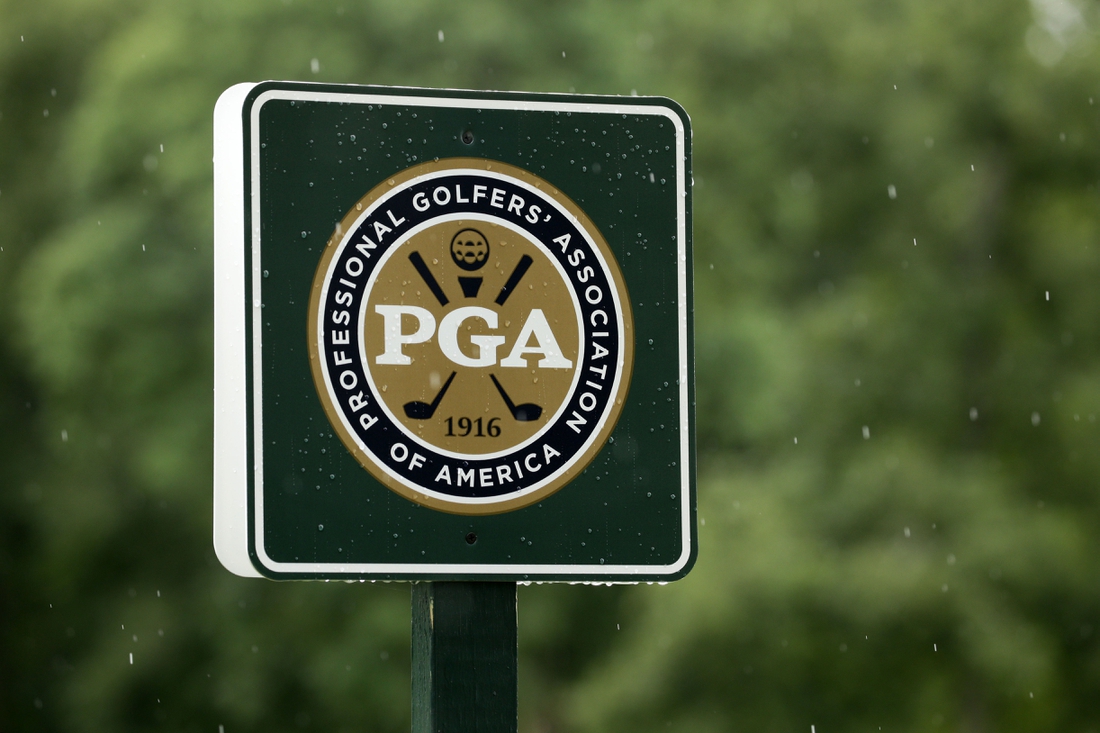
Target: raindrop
[(321, 528), (304, 235)]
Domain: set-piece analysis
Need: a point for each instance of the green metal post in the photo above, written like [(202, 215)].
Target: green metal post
[(464, 658)]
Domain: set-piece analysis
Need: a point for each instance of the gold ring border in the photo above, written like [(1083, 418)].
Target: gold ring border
[(580, 461)]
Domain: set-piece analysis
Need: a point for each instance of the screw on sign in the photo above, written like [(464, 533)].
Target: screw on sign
[(456, 363)]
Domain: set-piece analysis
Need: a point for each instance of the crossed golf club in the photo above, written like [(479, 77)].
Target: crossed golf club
[(417, 410)]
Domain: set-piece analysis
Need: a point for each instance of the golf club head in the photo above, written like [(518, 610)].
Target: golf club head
[(418, 410), (527, 412)]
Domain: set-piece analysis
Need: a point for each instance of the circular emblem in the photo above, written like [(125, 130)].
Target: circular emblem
[(470, 336)]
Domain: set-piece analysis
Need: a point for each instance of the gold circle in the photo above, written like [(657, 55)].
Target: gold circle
[(575, 463), (471, 396)]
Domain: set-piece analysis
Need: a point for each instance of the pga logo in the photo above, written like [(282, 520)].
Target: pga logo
[(470, 336)]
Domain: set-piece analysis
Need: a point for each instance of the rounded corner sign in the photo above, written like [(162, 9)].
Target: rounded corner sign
[(430, 313)]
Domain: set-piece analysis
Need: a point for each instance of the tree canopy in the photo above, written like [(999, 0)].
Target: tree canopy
[(897, 251)]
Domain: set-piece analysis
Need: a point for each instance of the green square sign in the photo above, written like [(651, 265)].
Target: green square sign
[(452, 335)]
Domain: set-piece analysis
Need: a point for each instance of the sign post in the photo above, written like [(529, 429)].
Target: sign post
[(453, 346), (464, 657)]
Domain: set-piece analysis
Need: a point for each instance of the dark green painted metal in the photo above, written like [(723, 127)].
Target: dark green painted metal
[(625, 508), (464, 657)]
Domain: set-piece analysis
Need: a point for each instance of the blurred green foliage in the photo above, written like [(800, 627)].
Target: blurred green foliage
[(898, 330)]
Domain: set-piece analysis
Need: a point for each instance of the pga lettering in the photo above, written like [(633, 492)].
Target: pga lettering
[(535, 338)]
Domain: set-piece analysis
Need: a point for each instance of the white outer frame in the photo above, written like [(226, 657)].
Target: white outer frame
[(231, 302)]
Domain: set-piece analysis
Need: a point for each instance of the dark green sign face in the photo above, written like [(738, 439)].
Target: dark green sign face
[(453, 335)]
